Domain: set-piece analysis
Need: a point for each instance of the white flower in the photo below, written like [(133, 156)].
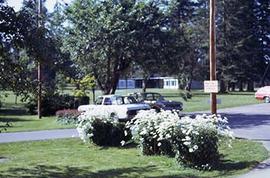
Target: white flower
[(122, 142), (191, 150), (195, 147)]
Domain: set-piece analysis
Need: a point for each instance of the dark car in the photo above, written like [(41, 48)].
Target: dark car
[(157, 101)]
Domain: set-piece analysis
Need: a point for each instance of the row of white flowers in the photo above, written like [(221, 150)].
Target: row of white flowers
[(86, 119), (192, 140), (167, 124)]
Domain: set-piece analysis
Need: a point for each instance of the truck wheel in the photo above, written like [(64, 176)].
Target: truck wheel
[(267, 99)]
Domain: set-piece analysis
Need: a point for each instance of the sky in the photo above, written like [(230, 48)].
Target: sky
[(49, 4)]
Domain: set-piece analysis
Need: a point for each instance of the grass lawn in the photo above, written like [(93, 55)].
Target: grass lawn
[(200, 100), (17, 116), (19, 123), (72, 158)]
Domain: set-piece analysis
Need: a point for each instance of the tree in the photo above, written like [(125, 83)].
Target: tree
[(182, 52), (150, 41), (262, 13), (105, 37), (14, 73)]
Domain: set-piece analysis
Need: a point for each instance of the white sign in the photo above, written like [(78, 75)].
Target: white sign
[(211, 86)]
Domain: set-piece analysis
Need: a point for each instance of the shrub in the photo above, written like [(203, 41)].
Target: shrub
[(186, 95), (194, 142), (67, 116), (102, 128), (144, 128), (53, 103)]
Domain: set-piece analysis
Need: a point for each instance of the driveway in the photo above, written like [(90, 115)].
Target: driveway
[(252, 122)]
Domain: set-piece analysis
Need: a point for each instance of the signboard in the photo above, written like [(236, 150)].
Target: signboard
[(211, 86)]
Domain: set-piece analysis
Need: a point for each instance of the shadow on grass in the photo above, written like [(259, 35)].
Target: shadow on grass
[(79, 172), (225, 168), (228, 165), (13, 111), (13, 119)]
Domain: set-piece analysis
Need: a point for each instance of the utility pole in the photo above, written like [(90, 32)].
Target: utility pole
[(39, 19), (212, 53)]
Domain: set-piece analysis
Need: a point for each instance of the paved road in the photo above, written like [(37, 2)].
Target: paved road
[(252, 122), (37, 135)]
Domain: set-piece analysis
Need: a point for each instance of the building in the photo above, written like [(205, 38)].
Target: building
[(155, 82)]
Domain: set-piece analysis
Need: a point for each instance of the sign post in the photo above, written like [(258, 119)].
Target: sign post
[(212, 54)]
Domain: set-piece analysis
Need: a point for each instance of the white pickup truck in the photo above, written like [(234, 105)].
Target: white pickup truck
[(125, 107)]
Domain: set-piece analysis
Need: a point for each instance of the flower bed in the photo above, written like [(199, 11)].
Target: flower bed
[(193, 142), (102, 128)]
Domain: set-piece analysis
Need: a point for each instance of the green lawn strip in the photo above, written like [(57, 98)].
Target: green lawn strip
[(72, 158), (200, 101), (19, 123)]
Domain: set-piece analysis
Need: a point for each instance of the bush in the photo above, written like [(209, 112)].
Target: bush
[(53, 103), (194, 142), (82, 100), (144, 128), (67, 116), (186, 95), (102, 128)]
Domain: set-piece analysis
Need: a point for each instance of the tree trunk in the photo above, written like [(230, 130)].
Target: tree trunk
[(188, 86), (232, 86), (223, 87), (116, 76), (250, 86), (144, 82), (241, 88)]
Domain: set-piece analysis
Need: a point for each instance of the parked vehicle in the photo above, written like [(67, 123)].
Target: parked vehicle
[(263, 94), (157, 101), (125, 107)]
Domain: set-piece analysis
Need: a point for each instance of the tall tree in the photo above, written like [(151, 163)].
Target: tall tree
[(182, 51), (262, 13), (105, 37)]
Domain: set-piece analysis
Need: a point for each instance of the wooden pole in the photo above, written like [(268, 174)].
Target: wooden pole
[(39, 65), (212, 54)]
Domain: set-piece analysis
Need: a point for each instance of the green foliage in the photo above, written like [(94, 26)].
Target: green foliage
[(206, 156), (194, 142), (186, 95), (86, 83), (101, 128), (51, 104), (108, 134)]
